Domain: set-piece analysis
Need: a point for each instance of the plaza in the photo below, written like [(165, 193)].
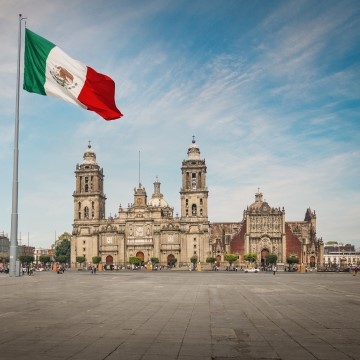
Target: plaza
[(184, 315)]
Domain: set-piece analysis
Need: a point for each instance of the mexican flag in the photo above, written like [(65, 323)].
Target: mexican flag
[(49, 71)]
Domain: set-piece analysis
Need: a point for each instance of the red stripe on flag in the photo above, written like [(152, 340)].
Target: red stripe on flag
[(98, 94)]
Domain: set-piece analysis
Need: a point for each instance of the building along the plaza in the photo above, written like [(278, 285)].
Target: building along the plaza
[(340, 255), (147, 228), (264, 230)]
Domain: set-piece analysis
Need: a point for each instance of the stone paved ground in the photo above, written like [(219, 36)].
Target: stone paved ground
[(180, 315)]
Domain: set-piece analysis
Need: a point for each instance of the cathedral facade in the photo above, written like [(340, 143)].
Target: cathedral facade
[(147, 228), (264, 230)]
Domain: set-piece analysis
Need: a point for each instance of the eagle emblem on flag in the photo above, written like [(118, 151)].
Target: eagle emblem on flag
[(63, 77)]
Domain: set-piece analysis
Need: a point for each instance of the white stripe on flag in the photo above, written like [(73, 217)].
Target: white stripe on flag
[(65, 77)]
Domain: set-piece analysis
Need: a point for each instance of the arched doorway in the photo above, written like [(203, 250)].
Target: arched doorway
[(264, 255), (171, 260), (109, 262), (140, 255), (312, 261), (218, 260)]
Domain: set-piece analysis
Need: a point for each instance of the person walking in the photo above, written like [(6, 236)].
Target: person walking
[(274, 269)]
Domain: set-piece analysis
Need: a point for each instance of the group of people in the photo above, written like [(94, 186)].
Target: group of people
[(61, 269), (28, 270), (228, 268), (4, 270)]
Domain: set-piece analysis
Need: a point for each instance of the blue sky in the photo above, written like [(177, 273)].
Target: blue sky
[(270, 89)]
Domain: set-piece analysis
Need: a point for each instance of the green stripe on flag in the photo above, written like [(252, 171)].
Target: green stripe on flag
[(37, 50)]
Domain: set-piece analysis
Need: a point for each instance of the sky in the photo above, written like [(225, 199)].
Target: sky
[(269, 89)]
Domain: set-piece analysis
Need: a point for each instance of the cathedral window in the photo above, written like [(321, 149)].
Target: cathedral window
[(187, 202), (79, 215), (201, 202), (194, 210), (194, 246), (79, 205), (187, 212), (86, 184), (201, 212), (92, 205), (86, 212), (193, 181)]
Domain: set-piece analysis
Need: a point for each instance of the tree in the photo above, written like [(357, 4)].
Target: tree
[(62, 259), (291, 260), (135, 260), (4, 259), (194, 260), (44, 259), (155, 260), (63, 248), (331, 243), (96, 259), (26, 259), (80, 259), (230, 258), (64, 236), (251, 257), (211, 260), (271, 259)]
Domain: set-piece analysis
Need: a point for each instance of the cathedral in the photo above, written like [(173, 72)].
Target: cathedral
[(147, 228)]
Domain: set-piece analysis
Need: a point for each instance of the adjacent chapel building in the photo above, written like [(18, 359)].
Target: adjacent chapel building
[(148, 228)]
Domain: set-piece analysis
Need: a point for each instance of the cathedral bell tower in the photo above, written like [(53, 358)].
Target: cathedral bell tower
[(194, 193), (194, 207), (89, 197)]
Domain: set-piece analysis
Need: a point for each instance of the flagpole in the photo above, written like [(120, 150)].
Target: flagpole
[(13, 271)]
